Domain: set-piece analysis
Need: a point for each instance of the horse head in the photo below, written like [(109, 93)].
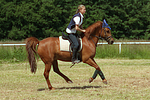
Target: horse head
[(105, 33), (101, 30)]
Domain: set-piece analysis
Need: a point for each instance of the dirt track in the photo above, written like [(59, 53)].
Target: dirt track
[(127, 79)]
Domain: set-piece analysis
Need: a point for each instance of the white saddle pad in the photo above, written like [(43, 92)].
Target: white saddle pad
[(65, 44)]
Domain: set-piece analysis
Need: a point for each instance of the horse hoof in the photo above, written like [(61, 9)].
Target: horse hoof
[(90, 80), (69, 82), (51, 88), (105, 81)]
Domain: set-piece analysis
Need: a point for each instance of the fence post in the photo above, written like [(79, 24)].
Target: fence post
[(119, 48)]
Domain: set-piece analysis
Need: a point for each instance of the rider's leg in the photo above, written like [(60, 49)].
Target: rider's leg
[(75, 47)]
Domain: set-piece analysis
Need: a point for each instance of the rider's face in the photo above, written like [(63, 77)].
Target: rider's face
[(83, 10)]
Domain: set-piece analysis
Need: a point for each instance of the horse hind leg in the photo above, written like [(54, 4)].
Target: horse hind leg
[(46, 75), (56, 70)]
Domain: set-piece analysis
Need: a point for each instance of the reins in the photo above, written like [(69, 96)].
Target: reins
[(98, 39)]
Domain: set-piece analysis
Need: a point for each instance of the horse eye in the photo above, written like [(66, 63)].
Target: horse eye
[(107, 31)]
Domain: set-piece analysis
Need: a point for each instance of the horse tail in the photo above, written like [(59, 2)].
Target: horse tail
[(31, 44)]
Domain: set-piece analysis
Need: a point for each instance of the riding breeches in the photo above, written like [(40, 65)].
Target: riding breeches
[(74, 40)]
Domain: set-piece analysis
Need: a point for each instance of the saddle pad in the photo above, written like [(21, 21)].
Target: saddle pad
[(65, 45)]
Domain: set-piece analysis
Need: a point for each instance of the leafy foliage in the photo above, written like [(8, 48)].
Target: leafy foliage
[(44, 18)]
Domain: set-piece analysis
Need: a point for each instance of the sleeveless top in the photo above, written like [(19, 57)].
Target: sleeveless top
[(76, 19)]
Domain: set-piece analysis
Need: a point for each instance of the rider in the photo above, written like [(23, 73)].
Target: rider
[(74, 25)]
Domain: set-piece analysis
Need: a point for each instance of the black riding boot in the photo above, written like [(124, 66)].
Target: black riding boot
[(74, 56)]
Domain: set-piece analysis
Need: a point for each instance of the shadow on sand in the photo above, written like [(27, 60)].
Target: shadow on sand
[(77, 87)]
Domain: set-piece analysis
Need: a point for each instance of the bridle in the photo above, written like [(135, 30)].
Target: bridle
[(106, 38), (102, 38)]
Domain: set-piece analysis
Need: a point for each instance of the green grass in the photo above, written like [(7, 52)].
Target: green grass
[(127, 51), (18, 53), (12, 54), (127, 79)]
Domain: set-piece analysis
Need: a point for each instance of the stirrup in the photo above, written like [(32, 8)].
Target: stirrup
[(75, 61)]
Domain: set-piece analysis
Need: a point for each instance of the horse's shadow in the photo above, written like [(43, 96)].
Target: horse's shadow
[(76, 87)]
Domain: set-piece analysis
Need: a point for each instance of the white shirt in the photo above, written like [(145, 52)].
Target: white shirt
[(77, 22)]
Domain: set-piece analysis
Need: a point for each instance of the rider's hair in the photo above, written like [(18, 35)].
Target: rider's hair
[(79, 7)]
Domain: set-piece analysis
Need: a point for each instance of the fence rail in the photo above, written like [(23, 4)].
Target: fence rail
[(118, 43), (12, 44)]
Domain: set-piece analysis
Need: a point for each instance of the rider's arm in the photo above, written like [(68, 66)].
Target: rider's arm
[(79, 29), (81, 26), (77, 21)]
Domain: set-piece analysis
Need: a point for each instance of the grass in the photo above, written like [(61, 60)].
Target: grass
[(127, 79), (127, 51), (12, 54), (18, 53)]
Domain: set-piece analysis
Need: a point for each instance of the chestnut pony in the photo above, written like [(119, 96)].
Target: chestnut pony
[(49, 50)]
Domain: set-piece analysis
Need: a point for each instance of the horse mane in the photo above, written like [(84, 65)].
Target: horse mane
[(92, 28)]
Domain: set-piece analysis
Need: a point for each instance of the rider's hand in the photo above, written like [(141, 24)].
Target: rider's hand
[(83, 31)]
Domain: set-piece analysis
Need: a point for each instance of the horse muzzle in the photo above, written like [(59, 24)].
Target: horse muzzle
[(110, 40)]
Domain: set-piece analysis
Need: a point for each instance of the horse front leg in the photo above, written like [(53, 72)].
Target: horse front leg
[(100, 74), (46, 75), (56, 70), (92, 63)]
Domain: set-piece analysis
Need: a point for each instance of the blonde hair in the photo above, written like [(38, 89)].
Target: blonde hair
[(79, 7)]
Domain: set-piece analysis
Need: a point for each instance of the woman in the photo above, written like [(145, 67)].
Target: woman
[(74, 25)]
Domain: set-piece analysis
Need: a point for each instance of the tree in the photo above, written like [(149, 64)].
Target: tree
[(44, 18)]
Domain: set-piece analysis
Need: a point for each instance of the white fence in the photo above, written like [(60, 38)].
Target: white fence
[(119, 43), (12, 44)]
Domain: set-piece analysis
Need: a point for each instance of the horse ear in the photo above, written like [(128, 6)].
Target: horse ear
[(105, 24)]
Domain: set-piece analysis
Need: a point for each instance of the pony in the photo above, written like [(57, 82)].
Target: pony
[(48, 50)]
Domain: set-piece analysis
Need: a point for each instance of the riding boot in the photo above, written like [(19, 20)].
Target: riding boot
[(74, 56)]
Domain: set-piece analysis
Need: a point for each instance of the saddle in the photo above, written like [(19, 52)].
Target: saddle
[(67, 45), (65, 39)]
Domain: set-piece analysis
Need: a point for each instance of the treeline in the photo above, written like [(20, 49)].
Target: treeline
[(19, 19)]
